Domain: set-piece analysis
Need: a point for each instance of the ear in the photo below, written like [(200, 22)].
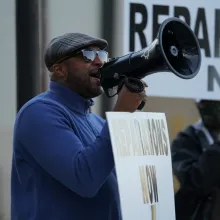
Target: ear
[(60, 70)]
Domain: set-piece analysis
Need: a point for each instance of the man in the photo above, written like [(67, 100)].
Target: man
[(196, 164), (63, 166)]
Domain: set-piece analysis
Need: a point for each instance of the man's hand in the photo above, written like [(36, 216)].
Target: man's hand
[(129, 101)]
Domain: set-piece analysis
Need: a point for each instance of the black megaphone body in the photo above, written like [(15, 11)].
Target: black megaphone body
[(175, 49)]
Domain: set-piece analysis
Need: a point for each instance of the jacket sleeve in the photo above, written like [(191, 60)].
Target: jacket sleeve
[(197, 170), (45, 132)]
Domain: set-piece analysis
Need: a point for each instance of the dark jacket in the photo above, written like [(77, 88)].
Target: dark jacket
[(196, 163)]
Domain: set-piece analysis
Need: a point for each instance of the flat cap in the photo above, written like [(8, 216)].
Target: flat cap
[(62, 46)]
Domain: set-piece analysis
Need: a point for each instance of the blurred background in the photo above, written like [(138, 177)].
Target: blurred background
[(26, 26)]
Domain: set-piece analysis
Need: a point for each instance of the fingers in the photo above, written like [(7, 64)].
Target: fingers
[(139, 96), (129, 101), (124, 87), (142, 95)]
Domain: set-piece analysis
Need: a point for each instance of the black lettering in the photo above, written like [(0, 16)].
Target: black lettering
[(144, 134), (158, 10), (159, 138), (144, 184), (213, 76), (151, 137), (137, 28), (154, 134), (150, 183), (217, 33), (165, 140), (182, 12), (121, 133), (153, 170), (204, 42), (140, 145)]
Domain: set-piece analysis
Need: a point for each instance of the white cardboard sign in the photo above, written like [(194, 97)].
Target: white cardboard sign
[(141, 151)]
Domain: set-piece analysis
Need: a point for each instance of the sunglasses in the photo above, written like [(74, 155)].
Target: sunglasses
[(90, 55)]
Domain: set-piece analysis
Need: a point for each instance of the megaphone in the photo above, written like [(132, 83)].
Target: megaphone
[(175, 49)]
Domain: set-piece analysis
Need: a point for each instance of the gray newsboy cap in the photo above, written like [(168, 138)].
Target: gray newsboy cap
[(60, 47)]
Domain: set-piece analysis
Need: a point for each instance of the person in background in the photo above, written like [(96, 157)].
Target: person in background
[(63, 165), (196, 165)]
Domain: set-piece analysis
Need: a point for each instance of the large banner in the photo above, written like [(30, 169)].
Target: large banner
[(141, 149), (141, 22)]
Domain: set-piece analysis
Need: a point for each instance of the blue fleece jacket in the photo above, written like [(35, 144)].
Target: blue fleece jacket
[(63, 166)]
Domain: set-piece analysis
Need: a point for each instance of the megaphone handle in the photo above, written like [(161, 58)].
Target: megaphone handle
[(141, 105)]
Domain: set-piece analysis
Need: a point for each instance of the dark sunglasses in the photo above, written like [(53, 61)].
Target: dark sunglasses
[(90, 55)]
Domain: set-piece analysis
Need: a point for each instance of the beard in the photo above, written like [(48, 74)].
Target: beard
[(84, 84)]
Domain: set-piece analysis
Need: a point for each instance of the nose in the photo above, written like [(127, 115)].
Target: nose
[(97, 62)]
